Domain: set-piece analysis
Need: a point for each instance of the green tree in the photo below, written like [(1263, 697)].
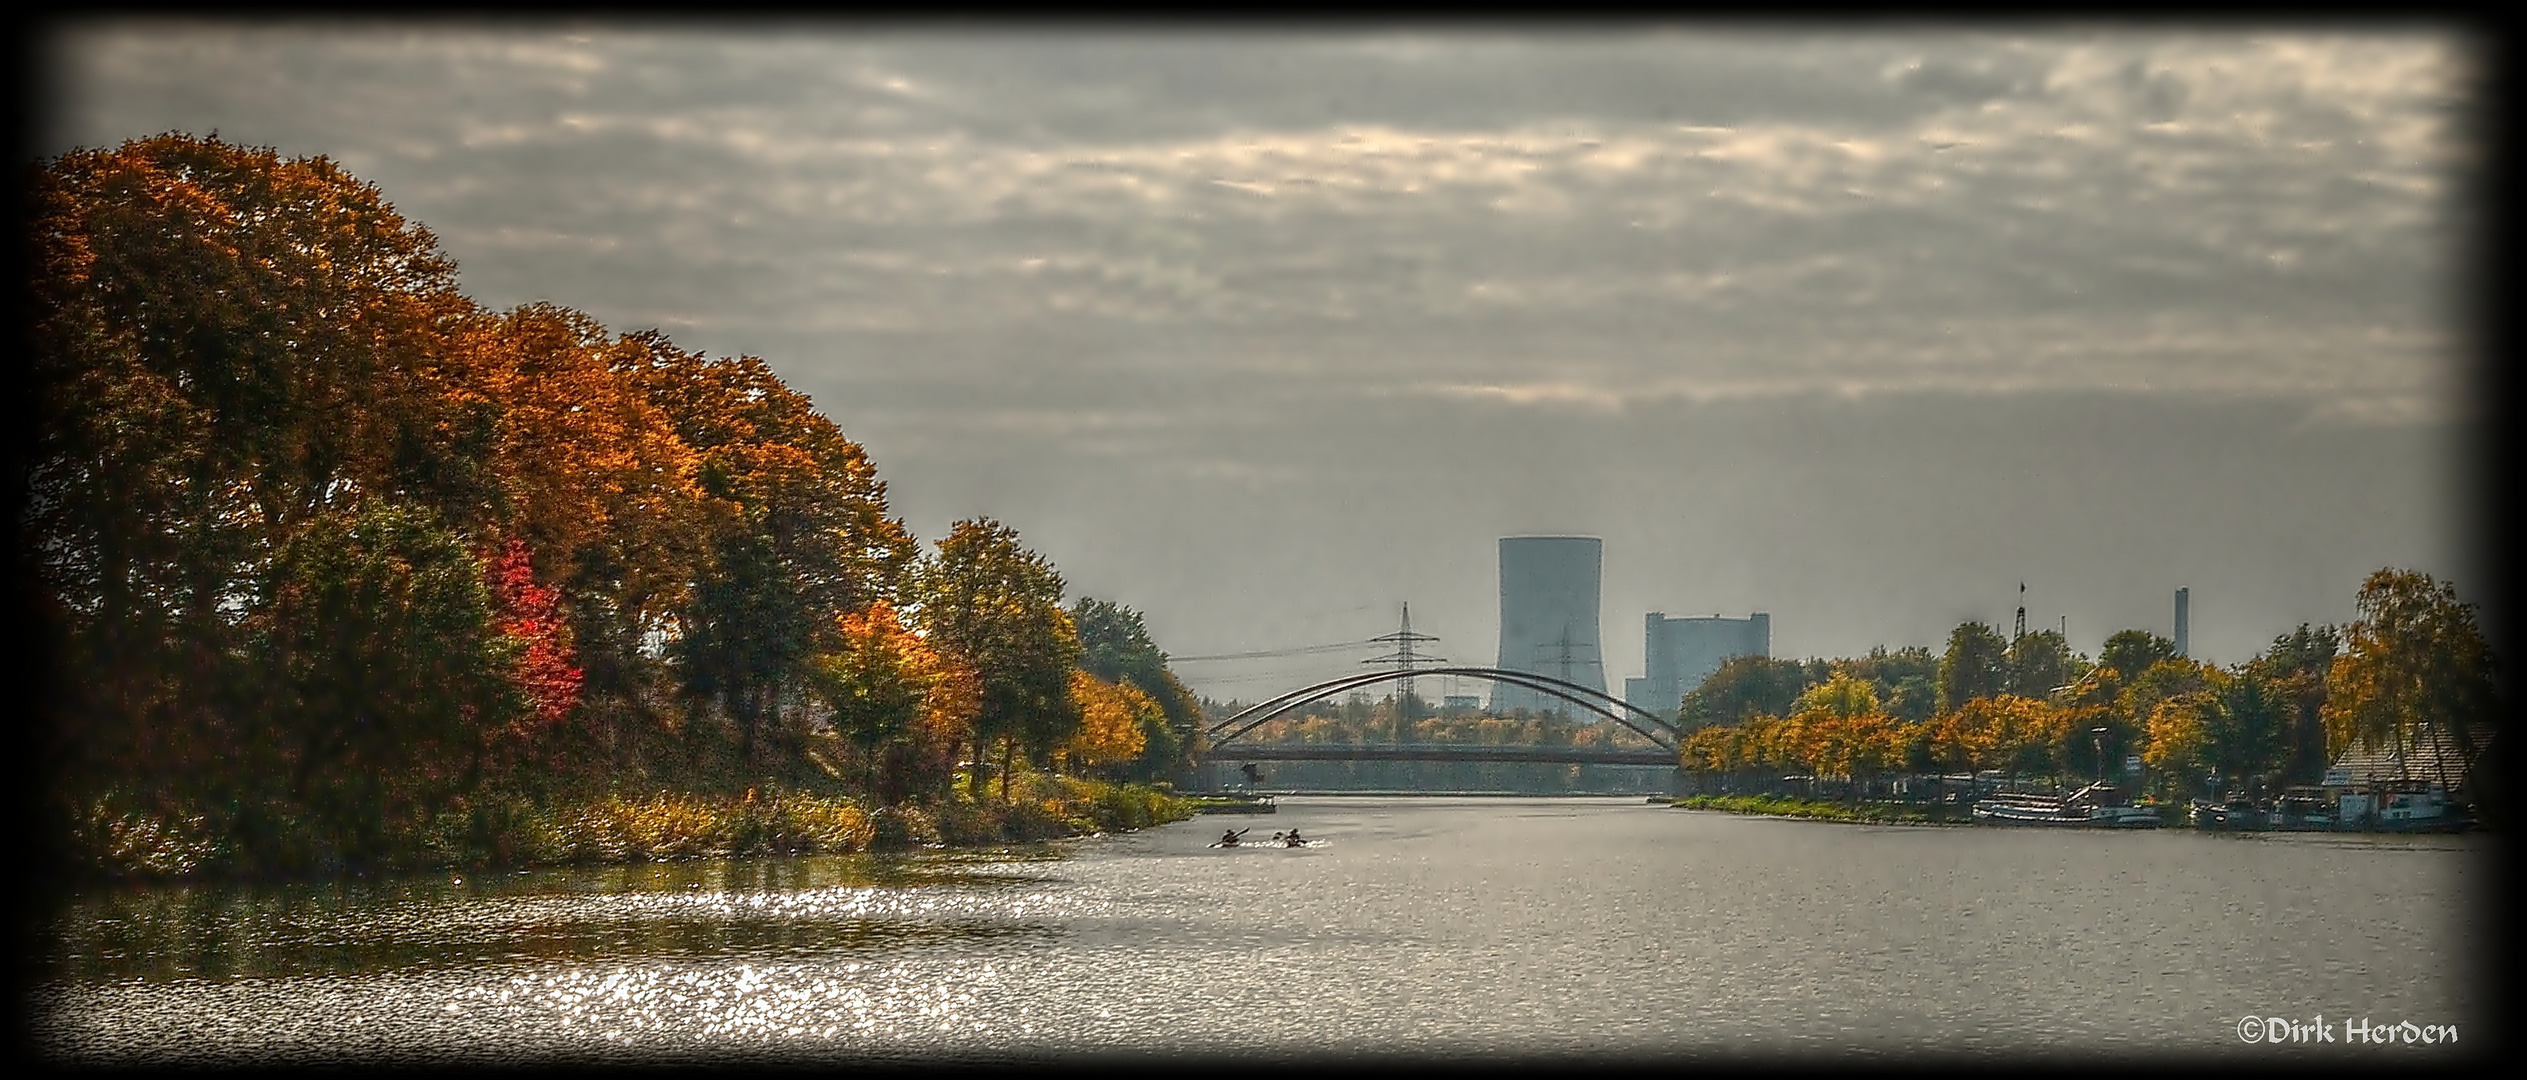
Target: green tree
[(1745, 686), (1907, 679), (1116, 647), (2293, 668), (383, 678), (876, 679), (1976, 665), (998, 607), (2223, 731), (2131, 652), (2039, 663), (2249, 728)]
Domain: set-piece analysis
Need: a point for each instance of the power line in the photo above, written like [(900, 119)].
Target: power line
[(1340, 646)]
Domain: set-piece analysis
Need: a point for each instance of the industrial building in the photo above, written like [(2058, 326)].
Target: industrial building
[(1679, 653), (1548, 616)]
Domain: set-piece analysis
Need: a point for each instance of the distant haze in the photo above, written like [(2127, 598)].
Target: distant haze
[(1267, 332)]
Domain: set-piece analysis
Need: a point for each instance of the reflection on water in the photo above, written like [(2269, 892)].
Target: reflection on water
[(752, 908), (1466, 928)]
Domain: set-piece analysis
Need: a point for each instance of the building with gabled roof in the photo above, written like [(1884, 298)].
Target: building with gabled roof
[(2432, 755)]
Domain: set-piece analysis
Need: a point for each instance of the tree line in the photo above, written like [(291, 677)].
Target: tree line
[(325, 552), (1406, 719), (2413, 666)]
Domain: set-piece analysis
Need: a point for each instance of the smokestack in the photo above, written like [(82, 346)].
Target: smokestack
[(2181, 649)]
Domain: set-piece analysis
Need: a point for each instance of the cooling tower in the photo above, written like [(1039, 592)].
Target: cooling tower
[(1548, 615)]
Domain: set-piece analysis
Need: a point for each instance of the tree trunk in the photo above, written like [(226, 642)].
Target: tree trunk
[(1008, 751)]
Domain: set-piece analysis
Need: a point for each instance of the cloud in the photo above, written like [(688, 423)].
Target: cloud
[(1263, 333)]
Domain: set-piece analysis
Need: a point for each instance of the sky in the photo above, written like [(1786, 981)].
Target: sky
[(1268, 330)]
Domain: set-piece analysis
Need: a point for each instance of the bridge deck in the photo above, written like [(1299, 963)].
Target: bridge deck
[(1560, 755)]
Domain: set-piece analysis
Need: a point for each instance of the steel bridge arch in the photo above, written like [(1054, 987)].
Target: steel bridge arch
[(1590, 698)]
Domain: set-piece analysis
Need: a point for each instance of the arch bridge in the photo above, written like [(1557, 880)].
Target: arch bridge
[(1649, 725)]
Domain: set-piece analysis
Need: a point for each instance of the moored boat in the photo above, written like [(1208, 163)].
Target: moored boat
[(2097, 806), (2302, 809), (2023, 808), (2233, 814), (2404, 806)]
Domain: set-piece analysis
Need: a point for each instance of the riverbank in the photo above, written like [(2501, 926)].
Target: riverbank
[(1812, 809), (657, 827)]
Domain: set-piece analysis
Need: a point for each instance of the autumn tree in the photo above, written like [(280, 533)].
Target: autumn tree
[(227, 349), (997, 607), (897, 704), (579, 464), (2082, 750), (800, 534), (2002, 731), (543, 669), (1839, 730), (2227, 726), (2413, 665), (1114, 722)]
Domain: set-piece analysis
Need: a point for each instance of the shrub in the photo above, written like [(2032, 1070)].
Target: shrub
[(902, 828)]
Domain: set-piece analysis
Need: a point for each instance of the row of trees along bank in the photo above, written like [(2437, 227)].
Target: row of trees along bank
[(2412, 666), (334, 564), (1359, 721)]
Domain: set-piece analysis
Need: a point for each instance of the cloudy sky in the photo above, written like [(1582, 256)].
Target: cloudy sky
[(1268, 330)]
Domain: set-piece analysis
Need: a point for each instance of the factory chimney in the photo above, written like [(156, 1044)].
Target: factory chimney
[(2181, 649)]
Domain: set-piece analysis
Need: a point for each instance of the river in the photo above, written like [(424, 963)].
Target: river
[(1421, 929)]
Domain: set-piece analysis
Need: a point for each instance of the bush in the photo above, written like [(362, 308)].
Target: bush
[(902, 828), (122, 842), (673, 826), (966, 824), (1784, 806), (119, 840)]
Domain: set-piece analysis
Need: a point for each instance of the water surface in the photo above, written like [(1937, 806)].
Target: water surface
[(1422, 928)]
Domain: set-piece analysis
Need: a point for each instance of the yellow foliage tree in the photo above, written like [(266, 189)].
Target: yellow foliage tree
[(1112, 716), (2413, 663), (2178, 736), (1839, 730), (1990, 732)]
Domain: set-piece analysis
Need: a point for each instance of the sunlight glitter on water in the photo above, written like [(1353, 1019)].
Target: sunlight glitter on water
[(1434, 928)]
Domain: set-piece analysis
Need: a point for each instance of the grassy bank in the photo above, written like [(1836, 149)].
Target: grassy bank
[(1784, 806), (130, 845)]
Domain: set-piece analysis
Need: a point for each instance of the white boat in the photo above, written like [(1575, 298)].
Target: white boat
[(2403, 806), (2016, 808), (2097, 806)]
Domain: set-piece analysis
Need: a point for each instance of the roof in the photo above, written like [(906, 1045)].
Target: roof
[(2432, 755)]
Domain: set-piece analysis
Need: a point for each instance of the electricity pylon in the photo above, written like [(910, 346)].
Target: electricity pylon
[(1404, 659)]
